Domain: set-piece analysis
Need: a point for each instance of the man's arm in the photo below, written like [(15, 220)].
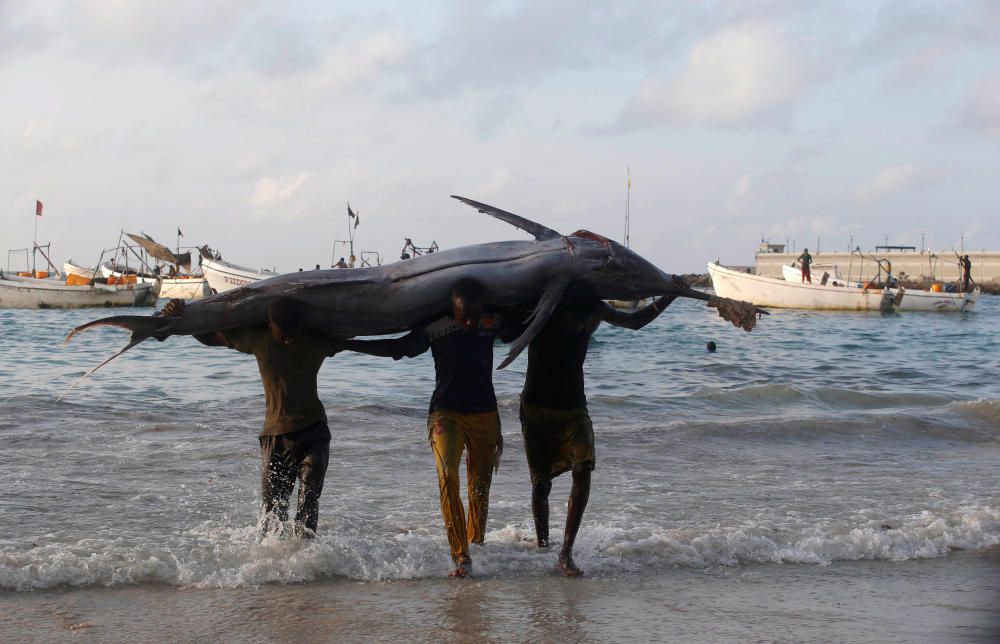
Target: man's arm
[(176, 308), (410, 345), (634, 320)]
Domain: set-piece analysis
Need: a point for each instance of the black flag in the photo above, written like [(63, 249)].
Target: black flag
[(179, 233), (353, 215)]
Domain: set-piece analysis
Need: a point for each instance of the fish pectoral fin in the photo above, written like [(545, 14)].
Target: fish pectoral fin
[(535, 229), (543, 311)]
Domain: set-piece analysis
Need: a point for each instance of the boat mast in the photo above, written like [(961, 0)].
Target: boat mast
[(352, 218), (34, 243), (628, 191)]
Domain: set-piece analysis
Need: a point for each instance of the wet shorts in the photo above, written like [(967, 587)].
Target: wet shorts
[(556, 441)]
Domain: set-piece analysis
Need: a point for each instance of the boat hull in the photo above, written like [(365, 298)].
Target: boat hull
[(173, 288), (223, 276), (774, 293), (72, 269), (29, 293)]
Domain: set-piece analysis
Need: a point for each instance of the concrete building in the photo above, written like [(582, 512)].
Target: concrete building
[(939, 265)]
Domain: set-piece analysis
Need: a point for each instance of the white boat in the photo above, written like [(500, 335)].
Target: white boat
[(69, 268), (774, 293), (223, 276), (818, 272), (32, 293), (184, 287)]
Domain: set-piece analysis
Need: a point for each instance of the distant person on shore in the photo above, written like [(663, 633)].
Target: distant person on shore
[(555, 423), (965, 264), (463, 409), (295, 440), (805, 260), (340, 264)]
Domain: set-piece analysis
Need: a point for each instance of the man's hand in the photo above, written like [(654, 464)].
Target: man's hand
[(174, 308)]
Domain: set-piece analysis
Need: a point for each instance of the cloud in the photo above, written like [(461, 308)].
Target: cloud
[(887, 182), (20, 31), (270, 190), (494, 112), (743, 186), (980, 112), (737, 77)]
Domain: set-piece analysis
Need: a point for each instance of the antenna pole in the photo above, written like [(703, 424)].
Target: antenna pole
[(628, 193)]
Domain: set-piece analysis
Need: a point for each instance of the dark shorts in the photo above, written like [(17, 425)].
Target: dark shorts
[(556, 441)]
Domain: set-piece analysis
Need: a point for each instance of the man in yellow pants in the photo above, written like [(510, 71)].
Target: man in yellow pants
[(463, 409)]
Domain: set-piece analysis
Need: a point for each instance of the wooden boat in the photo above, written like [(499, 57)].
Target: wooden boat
[(181, 287), (819, 272), (774, 293), (18, 292), (69, 268), (223, 276)]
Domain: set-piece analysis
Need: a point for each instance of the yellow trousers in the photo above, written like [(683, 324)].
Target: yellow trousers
[(450, 433)]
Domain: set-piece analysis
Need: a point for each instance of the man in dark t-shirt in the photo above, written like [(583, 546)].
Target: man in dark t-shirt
[(463, 408), (805, 260), (965, 264), (555, 423), (295, 440)]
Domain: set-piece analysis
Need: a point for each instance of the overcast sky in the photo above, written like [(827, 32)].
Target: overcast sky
[(249, 125)]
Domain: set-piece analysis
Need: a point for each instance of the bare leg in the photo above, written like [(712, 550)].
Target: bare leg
[(540, 511), (578, 497)]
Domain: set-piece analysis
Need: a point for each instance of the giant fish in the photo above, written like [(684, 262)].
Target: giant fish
[(396, 297)]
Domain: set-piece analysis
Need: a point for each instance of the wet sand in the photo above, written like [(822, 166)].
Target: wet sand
[(949, 599)]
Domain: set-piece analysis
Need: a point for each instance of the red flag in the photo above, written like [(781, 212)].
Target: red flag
[(38, 208)]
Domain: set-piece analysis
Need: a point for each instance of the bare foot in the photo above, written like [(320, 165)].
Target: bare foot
[(462, 571), (568, 566)]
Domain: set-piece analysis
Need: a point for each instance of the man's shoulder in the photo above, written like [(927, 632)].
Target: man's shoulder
[(439, 328)]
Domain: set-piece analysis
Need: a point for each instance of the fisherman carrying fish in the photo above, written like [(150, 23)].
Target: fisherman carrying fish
[(295, 440), (555, 423), (463, 409)]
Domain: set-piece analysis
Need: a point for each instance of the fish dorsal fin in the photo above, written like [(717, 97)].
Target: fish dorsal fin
[(537, 230), (543, 311)]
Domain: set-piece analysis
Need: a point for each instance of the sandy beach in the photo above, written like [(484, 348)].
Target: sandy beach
[(948, 599)]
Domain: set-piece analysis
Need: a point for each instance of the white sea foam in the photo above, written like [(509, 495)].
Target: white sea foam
[(224, 556)]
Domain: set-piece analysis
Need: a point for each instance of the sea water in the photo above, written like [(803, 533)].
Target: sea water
[(820, 441)]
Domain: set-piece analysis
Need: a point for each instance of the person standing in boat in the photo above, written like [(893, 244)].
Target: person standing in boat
[(463, 409), (555, 423), (295, 440), (340, 264), (965, 264), (805, 260)]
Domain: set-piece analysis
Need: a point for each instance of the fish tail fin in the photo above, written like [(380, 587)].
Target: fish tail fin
[(84, 376), (142, 327)]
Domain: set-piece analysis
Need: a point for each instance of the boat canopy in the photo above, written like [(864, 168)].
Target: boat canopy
[(161, 252)]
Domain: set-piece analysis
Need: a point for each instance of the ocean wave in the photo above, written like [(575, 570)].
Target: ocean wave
[(214, 556), (979, 410)]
